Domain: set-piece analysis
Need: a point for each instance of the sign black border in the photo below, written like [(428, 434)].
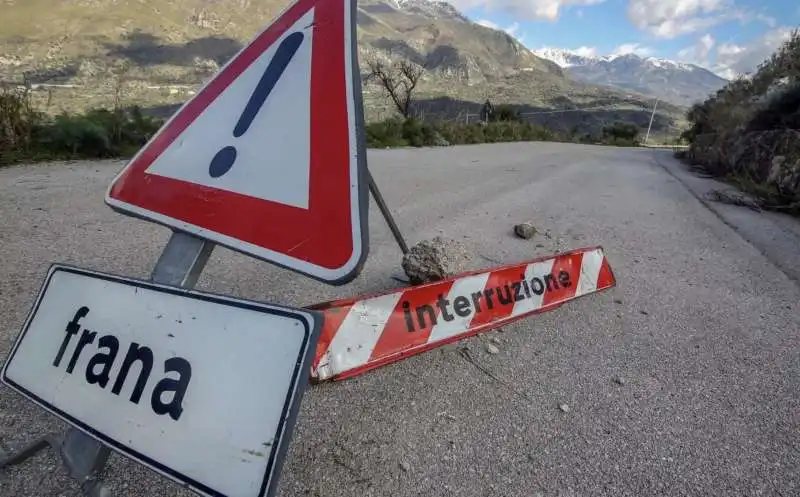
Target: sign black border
[(291, 404)]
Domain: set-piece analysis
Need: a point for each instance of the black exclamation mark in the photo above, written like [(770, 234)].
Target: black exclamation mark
[(224, 159)]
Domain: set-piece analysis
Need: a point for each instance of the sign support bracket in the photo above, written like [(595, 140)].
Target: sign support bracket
[(387, 214), (180, 264)]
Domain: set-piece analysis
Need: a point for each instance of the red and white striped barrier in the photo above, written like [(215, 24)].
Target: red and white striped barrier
[(362, 333)]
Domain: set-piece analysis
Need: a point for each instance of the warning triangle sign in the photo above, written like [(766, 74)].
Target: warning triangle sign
[(268, 158)]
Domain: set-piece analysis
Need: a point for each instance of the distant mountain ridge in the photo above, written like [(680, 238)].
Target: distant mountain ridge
[(157, 54), (439, 37), (431, 8), (566, 58), (676, 82)]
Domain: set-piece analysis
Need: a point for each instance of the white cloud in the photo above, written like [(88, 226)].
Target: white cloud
[(525, 9), (735, 59), (678, 27), (585, 51), (699, 52), (633, 48), (769, 21), (704, 46), (512, 30), (671, 18), (744, 16), (729, 49)]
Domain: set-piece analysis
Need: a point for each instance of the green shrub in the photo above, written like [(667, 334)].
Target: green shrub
[(623, 142), (99, 133), (736, 106), (505, 113), (388, 133), (419, 134), (460, 134), (413, 132), (540, 133), (27, 135), (783, 111), (493, 132), (17, 120), (473, 133), (622, 132), (75, 136)]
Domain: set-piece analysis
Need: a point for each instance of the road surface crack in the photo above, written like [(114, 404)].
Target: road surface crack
[(465, 353)]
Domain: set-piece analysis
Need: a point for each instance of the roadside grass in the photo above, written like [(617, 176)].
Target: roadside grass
[(30, 136), (27, 135), (412, 132), (767, 195)]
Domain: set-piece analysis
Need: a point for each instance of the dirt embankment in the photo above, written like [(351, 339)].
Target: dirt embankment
[(768, 158)]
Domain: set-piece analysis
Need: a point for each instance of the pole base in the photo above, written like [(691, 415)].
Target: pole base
[(83, 456)]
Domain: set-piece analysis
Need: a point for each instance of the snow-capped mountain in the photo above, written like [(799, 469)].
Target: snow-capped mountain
[(675, 82), (565, 58), (431, 8)]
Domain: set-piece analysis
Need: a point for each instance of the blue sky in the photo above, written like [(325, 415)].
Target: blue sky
[(727, 36)]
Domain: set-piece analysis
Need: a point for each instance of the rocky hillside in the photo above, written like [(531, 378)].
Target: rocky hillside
[(675, 82), (437, 36), (204, 33), (85, 53), (750, 130)]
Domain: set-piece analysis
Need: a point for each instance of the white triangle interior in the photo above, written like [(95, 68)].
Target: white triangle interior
[(273, 158)]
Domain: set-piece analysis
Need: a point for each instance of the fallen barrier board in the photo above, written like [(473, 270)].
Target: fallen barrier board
[(202, 388), (366, 332)]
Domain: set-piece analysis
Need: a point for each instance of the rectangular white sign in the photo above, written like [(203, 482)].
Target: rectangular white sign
[(200, 387)]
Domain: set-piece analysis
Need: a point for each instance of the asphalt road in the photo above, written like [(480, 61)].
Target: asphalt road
[(683, 380)]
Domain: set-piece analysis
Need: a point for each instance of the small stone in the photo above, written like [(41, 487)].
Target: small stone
[(644, 312), (774, 172), (617, 301), (405, 466), (564, 407), (492, 349), (618, 380), (495, 340), (540, 245), (524, 230)]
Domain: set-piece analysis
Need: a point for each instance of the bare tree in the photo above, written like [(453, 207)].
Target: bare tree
[(398, 80), (120, 72)]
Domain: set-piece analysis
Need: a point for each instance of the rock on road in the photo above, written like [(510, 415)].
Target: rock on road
[(682, 380)]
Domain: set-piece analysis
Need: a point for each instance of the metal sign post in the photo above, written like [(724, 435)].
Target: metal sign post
[(180, 264), (387, 214)]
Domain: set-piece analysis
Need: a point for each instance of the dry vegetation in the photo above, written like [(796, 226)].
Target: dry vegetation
[(29, 135), (749, 132)]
